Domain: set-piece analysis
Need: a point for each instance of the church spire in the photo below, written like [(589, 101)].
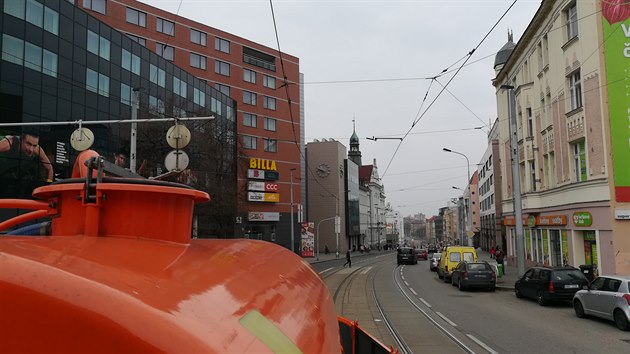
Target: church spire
[(354, 154)]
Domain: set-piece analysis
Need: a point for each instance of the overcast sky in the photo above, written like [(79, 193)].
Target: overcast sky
[(392, 46)]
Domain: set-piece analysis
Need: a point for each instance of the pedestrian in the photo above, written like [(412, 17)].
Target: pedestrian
[(23, 165), (326, 250), (348, 260), (492, 252), (499, 257)]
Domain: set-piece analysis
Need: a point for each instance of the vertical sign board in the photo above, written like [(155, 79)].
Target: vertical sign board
[(308, 239), (616, 29)]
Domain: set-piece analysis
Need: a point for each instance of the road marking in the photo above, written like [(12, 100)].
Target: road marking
[(366, 270), (446, 319), (413, 291), (424, 302), (407, 284), (326, 270), (402, 277), (481, 344)]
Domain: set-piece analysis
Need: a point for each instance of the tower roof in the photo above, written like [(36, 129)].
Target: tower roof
[(505, 52)]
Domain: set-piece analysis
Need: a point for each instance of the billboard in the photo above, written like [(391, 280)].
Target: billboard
[(308, 239)]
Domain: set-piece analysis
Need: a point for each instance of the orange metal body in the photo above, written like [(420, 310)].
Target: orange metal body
[(120, 274)]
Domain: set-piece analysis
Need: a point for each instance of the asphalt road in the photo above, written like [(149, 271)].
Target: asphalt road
[(418, 303)]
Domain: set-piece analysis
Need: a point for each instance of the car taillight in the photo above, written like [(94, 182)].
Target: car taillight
[(550, 288), (446, 268), (494, 275), (465, 275), (627, 297)]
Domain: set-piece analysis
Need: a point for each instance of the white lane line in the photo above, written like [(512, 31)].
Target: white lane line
[(481, 344), (326, 270), (407, 284), (413, 291), (402, 277), (424, 302), (446, 319), (366, 270)]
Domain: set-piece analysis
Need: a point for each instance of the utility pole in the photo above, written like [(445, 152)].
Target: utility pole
[(292, 226), (516, 181), (135, 100)]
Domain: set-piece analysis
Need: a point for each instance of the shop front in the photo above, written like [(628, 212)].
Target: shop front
[(574, 237)]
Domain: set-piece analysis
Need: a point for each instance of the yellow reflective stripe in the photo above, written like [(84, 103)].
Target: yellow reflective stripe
[(268, 333)]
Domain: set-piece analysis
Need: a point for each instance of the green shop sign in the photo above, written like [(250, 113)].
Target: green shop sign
[(616, 28), (582, 218)]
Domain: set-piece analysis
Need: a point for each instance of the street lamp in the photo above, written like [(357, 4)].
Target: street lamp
[(458, 188), (466, 157), (292, 226)]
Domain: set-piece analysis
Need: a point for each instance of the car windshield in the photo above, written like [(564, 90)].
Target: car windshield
[(405, 250), (437, 255), (569, 274)]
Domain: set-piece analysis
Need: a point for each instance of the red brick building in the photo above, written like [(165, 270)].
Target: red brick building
[(269, 124)]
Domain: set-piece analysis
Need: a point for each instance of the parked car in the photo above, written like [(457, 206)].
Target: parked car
[(434, 261), (406, 255), (474, 275), (608, 297), (550, 284), (423, 254), (451, 257)]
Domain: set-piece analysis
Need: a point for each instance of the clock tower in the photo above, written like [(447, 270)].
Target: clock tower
[(354, 154)]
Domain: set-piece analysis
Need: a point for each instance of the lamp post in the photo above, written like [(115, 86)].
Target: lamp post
[(467, 184), (466, 157), (319, 223), (292, 226)]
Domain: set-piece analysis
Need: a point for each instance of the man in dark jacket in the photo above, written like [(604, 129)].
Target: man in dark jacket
[(348, 260)]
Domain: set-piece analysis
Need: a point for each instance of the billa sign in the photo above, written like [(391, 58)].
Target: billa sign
[(262, 174), (582, 218), (262, 164), (263, 216), (262, 186), (263, 197)]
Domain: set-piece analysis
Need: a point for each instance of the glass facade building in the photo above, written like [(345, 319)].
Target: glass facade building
[(60, 64)]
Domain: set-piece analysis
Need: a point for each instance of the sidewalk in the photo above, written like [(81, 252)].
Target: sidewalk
[(323, 257), (505, 282)]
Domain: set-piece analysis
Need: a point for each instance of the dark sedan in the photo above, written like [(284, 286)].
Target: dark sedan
[(548, 284), (474, 275)]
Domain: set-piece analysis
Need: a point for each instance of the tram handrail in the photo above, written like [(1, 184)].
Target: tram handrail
[(355, 339)]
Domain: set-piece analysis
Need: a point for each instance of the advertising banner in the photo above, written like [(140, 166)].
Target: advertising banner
[(308, 239), (263, 197), (263, 216), (616, 28)]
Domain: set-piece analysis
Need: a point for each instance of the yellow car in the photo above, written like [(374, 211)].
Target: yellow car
[(451, 257)]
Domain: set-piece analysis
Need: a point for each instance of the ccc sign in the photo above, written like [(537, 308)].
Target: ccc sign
[(271, 187)]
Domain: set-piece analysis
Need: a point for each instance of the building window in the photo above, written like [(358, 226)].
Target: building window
[(532, 166), (199, 97), (222, 68), (97, 82), (269, 81), (165, 26), (575, 90), (140, 40), (572, 21), (198, 37), (99, 6), (579, 161), (249, 142), (270, 124), (136, 17), (125, 94), (198, 61), (98, 45), (179, 87), (270, 145), (530, 122), (179, 112), (224, 89), (32, 56), (249, 76), (156, 106), (222, 45), (12, 49), (269, 102), (249, 98), (249, 120), (157, 76), (165, 51), (49, 63), (130, 62)]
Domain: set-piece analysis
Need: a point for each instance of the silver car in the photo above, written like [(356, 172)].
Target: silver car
[(607, 297), (435, 260)]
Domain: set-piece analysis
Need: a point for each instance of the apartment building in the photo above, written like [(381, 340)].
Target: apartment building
[(568, 77), (269, 116), (490, 233)]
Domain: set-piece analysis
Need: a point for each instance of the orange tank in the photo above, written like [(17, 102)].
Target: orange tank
[(120, 273)]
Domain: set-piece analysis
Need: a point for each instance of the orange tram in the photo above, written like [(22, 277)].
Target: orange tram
[(114, 270)]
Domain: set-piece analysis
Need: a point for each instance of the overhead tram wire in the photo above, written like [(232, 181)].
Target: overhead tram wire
[(469, 55), (285, 83), (462, 103)]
